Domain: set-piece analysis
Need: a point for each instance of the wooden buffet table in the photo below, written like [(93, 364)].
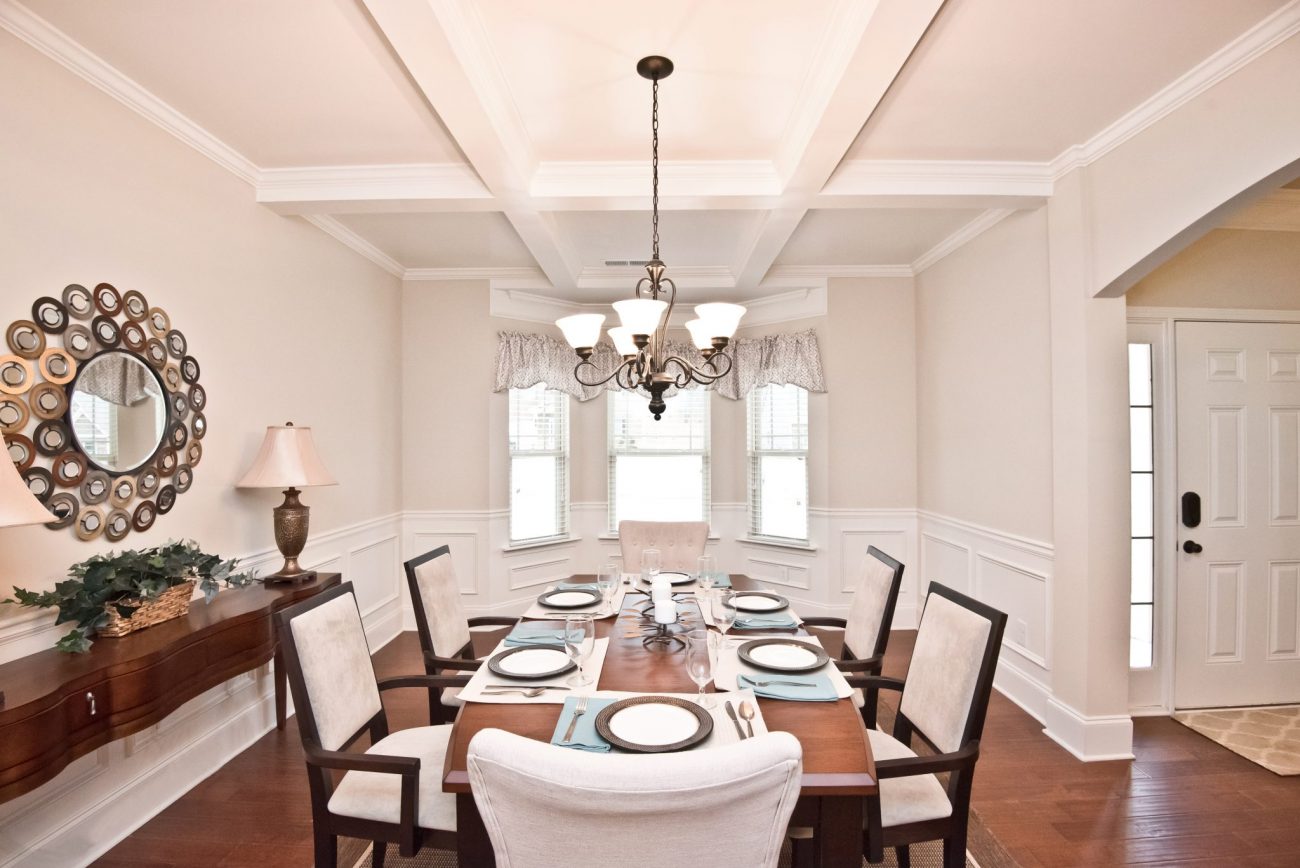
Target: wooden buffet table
[(58, 707), (838, 770)]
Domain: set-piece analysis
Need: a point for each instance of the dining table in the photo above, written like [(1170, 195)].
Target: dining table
[(838, 769)]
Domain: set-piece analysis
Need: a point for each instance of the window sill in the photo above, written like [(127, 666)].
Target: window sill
[(777, 543), (613, 536), (540, 544)]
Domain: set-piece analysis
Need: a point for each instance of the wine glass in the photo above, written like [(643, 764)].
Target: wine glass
[(649, 565), (579, 642), (704, 571), (724, 612), (699, 664), (606, 582)]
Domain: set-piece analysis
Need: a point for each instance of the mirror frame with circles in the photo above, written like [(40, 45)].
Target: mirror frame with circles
[(48, 346)]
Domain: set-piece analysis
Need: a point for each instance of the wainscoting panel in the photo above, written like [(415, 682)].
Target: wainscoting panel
[(104, 796)]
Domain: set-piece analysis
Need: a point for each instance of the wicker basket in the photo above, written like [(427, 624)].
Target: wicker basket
[(171, 603)]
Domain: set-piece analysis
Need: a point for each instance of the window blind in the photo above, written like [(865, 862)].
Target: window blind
[(778, 462), (539, 464), (658, 471)]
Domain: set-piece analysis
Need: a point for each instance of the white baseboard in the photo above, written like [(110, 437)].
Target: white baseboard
[(1021, 688), (1091, 739)]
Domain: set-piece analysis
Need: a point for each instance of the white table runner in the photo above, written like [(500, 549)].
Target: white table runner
[(474, 692)]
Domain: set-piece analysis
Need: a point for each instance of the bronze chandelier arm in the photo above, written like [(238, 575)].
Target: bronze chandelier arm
[(627, 365), (692, 373)]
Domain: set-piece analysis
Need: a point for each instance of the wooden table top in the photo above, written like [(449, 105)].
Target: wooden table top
[(836, 758)]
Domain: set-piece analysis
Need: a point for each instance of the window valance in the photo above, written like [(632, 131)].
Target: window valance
[(524, 360)]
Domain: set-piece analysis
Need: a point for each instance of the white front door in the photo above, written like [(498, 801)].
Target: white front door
[(1238, 609)]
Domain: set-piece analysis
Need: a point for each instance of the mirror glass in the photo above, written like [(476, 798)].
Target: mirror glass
[(118, 411)]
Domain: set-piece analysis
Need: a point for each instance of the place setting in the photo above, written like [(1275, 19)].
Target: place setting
[(602, 598), (539, 662), (780, 667), (747, 610)]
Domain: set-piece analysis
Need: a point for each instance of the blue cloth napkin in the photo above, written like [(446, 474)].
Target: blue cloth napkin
[(535, 634), (721, 580), (584, 734), (760, 622), (818, 687)]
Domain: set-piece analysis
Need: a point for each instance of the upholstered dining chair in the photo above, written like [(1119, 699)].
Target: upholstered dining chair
[(550, 807), (393, 791), (680, 543), (443, 629), (866, 630), (944, 700)]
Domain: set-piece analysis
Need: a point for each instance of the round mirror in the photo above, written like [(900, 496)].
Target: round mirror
[(117, 410)]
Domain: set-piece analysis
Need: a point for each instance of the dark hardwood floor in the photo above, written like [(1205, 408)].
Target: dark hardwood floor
[(1184, 801)]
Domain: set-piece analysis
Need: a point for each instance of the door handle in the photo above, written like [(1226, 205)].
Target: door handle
[(1193, 548)]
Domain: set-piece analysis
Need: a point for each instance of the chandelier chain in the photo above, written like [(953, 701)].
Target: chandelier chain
[(654, 168)]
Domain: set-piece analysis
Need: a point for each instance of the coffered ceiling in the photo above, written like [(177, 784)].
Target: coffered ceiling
[(509, 139)]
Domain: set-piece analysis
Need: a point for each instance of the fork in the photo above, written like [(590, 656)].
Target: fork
[(788, 683), (529, 692), (577, 713)]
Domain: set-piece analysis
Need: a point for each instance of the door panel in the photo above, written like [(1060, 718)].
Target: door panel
[(1238, 405)]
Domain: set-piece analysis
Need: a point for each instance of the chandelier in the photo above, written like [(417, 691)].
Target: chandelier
[(641, 337)]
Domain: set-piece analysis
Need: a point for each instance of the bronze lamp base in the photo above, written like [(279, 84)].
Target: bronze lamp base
[(291, 521)]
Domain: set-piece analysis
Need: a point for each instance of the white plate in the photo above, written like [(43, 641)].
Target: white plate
[(533, 661), (755, 603), (783, 656), (654, 724), (570, 598)]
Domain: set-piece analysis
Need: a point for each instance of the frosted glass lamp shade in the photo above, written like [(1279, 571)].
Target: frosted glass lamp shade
[(640, 316), (288, 459), (700, 335), (17, 504), (721, 320), (581, 330), (623, 343)]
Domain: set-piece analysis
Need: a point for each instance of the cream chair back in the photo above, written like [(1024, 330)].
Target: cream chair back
[(551, 807), (866, 630), (435, 595), (680, 543)]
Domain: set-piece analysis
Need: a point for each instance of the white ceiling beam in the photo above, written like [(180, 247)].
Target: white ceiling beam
[(443, 47), (352, 189), (863, 51)]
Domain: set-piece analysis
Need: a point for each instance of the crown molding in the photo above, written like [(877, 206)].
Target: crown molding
[(508, 302), (1268, 33), (520, 273), (339, 232), (941, 178), (301, 184), (677, 179), (58, 46), (823, 272), (1277, 212), (963, 236)]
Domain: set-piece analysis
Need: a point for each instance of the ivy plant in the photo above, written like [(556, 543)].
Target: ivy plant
[(113, 579)]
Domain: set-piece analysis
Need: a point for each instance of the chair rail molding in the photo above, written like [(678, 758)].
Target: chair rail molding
[(104, 796)]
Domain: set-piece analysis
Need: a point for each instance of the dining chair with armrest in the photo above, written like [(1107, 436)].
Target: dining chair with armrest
[(444, 631), (393, 791), (943, 701), (680, 543), (866, 630), (551, 807)]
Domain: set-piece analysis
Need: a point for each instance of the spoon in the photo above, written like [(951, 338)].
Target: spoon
[(747, 712)]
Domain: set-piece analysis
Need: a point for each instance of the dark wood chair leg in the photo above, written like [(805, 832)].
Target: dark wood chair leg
[(377, 859), (803, 853), (954, 850), (903, 855), (327, 850)]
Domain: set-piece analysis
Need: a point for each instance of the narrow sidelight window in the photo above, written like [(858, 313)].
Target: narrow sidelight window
[(778, 463), (539, 464)]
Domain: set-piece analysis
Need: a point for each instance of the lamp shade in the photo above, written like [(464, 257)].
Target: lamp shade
[(700, 334), (581, 330), (640, 316), (623, 343), (287, 459), (721, 320), (17, 504)]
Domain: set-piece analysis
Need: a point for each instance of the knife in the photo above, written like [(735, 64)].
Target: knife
[(731, 712)]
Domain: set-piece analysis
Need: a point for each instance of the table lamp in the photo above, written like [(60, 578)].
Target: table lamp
[(288, 460), (18, 506)]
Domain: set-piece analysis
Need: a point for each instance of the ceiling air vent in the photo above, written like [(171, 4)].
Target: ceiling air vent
[(623, 263)]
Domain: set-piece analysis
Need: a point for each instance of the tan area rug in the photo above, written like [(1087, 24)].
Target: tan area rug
[(929, 855), (1268, 736)]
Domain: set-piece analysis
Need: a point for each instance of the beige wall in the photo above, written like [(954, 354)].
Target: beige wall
[(454, 426), (1227, 268), (984, 381), (285, 322)]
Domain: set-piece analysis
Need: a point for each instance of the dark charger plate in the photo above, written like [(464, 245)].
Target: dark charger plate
[(494, 663), (782, 602), (743, 652), (700, 734), (546, 599)]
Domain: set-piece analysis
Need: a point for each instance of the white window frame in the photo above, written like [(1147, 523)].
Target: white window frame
[(638, 403), (561, 455), (755, 455)]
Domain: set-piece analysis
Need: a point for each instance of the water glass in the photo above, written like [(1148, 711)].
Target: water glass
[(650, 565), (579, 642), (724, 612), (699, 664), (705, 571), (607, 581)]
